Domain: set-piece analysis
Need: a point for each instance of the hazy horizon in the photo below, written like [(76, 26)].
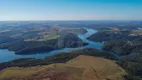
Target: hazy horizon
[(73, 20)]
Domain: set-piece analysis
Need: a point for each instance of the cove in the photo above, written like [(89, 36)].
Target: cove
[(6, 55)]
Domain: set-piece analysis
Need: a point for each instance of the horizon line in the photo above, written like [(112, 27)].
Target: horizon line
[(70, 20)]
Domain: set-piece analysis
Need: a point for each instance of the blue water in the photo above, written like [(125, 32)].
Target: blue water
[(6, 55)]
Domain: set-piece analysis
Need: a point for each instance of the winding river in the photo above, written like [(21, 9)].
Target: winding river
[(6, 55)]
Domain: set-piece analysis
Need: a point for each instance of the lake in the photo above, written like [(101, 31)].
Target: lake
[(6, 55)]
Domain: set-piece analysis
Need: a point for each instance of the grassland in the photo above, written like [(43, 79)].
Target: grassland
[(49, 37), (79, 68)]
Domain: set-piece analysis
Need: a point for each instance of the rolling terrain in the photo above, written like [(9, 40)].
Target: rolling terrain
[(127, 43), (31, 38), (79, 68), (122, 38)]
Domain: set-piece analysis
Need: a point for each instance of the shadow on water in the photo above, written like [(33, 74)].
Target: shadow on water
[(6, 55)]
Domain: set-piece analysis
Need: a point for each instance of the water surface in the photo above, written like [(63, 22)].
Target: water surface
[(6, 55)]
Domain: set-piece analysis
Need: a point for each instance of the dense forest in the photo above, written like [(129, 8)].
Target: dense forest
[(26, 39), (31, 47), (128, 46), (120, 37)]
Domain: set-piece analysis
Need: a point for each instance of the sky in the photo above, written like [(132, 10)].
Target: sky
[(15, 10)]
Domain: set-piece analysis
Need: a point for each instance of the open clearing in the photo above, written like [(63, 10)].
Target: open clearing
[(80, 68)]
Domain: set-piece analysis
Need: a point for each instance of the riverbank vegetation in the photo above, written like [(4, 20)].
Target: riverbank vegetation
[(123, 38), (58, 58), (126, 44), (33, 47), (38, 38)]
